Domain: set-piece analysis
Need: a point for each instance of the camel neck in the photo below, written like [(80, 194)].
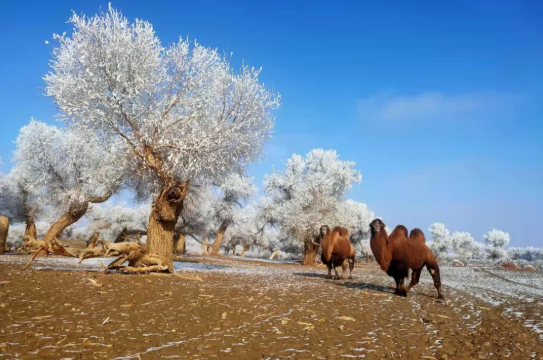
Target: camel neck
[(381, 248)]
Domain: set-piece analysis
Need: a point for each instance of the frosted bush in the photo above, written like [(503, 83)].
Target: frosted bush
[(496, 238), (440, 241)]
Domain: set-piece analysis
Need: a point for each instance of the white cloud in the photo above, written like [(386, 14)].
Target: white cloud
[(427, 106)]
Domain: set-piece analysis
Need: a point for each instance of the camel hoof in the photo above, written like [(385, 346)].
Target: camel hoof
[(337, 278), (440, 297), (328, 276), (350, 277), (401, 293)]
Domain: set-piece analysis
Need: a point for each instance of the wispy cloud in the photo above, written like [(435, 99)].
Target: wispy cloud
[(391, 107)]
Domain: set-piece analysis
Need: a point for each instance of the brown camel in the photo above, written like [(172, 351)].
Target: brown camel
[(397, 253), (336, 250)]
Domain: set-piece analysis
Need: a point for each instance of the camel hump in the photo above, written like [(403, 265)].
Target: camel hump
[(343, 232), (400, 229), (417, 234)]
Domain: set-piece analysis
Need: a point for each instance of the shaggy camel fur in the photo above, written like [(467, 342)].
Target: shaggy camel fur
[(336, 251), (397, 253)]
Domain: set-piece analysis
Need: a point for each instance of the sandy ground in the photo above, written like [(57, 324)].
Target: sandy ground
[(239, 309)]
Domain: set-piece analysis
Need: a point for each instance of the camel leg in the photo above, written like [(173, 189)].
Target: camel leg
[(400, 289), (337, 274), (343, 269), (329, 276), (415, 277), (351, 267), (434, 271)]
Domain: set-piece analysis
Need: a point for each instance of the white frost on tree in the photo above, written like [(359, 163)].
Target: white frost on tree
[(529, 253), (464, 246), (440, 240), (16, 201), (356, 217), (307, 194), (67, 169), (197, 220), (178, 113), (496, 241), (233, 191), (111, 220)]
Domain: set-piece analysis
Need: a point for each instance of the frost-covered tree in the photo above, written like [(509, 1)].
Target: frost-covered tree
[(356, 217), (233, 191), (178, 113), (529, 253), (18, 231), (197, 219), (111, 220), (464, 246), (307, 194), (244, 229), (440, 242), (67, 169), (16, 200), (496, 241)]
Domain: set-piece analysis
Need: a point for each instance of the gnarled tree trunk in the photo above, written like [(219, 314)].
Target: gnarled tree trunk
[(4, 228), (310, 252), (74, 213), (166, 210), (218, 238)]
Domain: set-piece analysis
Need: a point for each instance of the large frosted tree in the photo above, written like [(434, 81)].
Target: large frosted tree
[(67, 170), (178, 113), (307, 194)]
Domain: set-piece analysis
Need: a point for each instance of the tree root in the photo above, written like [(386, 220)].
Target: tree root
[(140, 262), (53, 247)]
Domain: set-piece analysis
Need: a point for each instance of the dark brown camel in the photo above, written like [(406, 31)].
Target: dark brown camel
[(397, 253)]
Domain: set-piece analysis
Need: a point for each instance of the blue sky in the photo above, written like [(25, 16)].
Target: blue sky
[(439, 103)]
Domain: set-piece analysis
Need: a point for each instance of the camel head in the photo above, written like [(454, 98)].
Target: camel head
[(377, 225), (323, 231)]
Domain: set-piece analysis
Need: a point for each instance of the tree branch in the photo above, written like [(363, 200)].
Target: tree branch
[(99, 199)]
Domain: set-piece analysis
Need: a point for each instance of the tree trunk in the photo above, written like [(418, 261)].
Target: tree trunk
[(310, 252), (244, 249), (31, 228), (4, 228), (74, 213), (180, 246), (166, 210), (205, 247), (218, 238), (92, 241)]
